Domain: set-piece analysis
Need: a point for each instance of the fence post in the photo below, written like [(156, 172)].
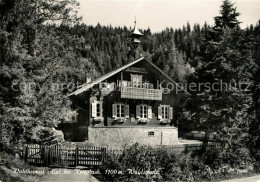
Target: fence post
[(26, 153), (46, 155), (24, 148), (103, 154), (76, 156)]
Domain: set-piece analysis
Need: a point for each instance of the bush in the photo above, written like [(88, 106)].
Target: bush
[(214, 164), (136, 159), (237, 158), (256, 156), (176, 167), (8, 163)]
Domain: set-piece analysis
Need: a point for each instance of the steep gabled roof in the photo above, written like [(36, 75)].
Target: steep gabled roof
[(108, 75)]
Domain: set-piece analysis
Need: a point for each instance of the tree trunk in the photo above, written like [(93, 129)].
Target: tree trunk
[(32, 35), (205, 141)]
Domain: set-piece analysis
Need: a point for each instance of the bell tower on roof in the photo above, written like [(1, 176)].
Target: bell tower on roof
[(135, 42), (135, 36)]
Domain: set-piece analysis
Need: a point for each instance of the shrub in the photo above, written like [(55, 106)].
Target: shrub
[(236, 158), (256, 156), (8, 163), (180, 166), (138, 159)]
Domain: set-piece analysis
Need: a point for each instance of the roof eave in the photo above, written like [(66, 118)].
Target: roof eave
[(108, 75)]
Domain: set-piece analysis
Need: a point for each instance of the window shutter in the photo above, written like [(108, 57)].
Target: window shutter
[(170, 113), (94, 109), (126, 111), (101, 109), (150, 112), (159, 112), (114, 110), (137, 111)]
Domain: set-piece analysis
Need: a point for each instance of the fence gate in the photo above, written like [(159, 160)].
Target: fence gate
[(34, 154), (90, 156), (62, 155)]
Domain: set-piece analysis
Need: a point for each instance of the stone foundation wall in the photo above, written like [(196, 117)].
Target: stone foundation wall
[(112, 136)]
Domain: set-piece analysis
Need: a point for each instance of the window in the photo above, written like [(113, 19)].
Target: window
[(136, 80), (151, 133), (165, 112), (98, 105), (103, 85), (97, 109), (144, 111), (120, 110)]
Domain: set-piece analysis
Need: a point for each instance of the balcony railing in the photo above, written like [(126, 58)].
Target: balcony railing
[(141, 93)]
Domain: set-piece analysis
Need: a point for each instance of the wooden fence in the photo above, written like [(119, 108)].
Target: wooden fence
[(64, 156), (72, 155), (34, 154)]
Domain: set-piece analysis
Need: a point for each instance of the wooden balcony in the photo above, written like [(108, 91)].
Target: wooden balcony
[(141, 93)]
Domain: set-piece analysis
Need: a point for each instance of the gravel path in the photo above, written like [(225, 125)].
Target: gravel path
[(247, 179), (68, 175)]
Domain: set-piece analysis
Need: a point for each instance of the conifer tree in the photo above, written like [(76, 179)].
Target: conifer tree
[(218, 109), (33, 57), (228, 16)]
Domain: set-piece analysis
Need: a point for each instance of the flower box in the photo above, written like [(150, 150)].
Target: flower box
[(98, 119), (143, 120), (165, 121), (120, 120)]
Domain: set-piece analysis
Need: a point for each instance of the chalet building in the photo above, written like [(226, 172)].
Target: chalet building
[(134, 103)]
